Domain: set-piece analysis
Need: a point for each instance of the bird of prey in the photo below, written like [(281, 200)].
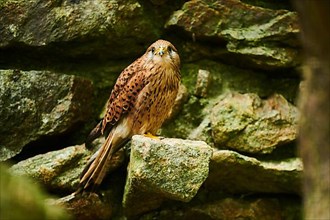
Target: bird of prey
[(140, 101)]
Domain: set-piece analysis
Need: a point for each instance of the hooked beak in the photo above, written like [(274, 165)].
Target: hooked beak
[(160, 51)]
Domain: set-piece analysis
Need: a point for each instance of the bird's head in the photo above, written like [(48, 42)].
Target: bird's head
[(164, 53)]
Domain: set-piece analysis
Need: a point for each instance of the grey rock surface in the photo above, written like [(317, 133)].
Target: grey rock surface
[(78, 27), (235, 173), (39, 103), (60, 170), (164, 169), (246, 123), (250, 33)]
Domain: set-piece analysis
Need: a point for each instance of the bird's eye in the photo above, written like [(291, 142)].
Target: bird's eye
[(152, 50), (170, 49)]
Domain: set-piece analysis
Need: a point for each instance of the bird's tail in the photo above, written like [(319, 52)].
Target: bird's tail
[(98, 165), (95, 133)]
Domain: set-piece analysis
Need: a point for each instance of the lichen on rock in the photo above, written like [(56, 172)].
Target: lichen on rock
[(39, 103)]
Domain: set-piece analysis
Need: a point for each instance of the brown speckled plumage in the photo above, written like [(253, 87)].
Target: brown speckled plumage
[(140, 101)]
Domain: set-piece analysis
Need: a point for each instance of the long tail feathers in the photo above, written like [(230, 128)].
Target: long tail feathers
[(99, 164), (95, 133)]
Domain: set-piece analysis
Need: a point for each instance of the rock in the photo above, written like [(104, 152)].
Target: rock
[(99, 27), (164, 169), (86, 206), (60, 170), (203, 132), (223, 79), (231, 208), (20, 198), (246, 123), (39, 103), (259, 37), (235, 173), (203, 83)]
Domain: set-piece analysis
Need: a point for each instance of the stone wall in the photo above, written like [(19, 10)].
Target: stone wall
[(230, 146)]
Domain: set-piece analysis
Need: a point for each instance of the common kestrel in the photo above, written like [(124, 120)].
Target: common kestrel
[(140, 101)]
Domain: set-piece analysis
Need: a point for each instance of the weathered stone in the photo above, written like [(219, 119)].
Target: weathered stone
[(39, 103), (236, 173), (20, 198), (231, 208), (260, 37), (164, 169), (203, 132), (86, 206), (246, 123), (202, 83), (224, 78), (98, 27), (60, 170)]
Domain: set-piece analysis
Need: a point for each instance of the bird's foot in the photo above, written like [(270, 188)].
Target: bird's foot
[(149, 135)]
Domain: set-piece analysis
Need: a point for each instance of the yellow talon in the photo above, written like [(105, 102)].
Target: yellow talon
[(149, 135)]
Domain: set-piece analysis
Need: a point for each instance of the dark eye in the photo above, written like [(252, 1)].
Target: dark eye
[(170, 49), (152, 50)]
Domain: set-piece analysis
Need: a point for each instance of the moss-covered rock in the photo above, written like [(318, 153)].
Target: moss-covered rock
[(222, 79), (248, 124), (256, 36), (39, 103), (59, 170), (235, 173), (164, 169), (240, 82), (75, 28)]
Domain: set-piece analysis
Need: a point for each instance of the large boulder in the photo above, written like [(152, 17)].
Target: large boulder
[(246, 123), (73, 28), (260, 37), (164, 169), (34, 104)]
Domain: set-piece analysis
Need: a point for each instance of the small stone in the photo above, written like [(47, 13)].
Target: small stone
[(164, 169), (203, 132), (202, 83)]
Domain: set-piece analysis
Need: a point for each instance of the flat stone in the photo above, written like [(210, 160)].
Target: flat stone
[(246, 123), (235, 173), (60, 170), (34, 104), (164, 169)]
